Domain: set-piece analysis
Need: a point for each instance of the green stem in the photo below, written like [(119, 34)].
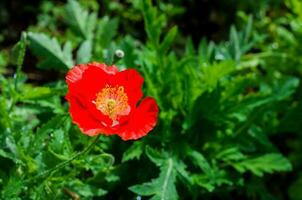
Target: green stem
[(20, 59), (62, 164)]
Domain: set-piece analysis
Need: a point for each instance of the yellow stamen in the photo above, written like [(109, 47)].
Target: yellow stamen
[(112, 101)]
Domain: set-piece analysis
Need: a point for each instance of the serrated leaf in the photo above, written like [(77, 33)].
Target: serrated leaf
[(230, 154), (182, 172), (85, 190), (154, 22), (79, 19), (84, 52), (135, 151), (203, 182), (200, 161), (155, 156), (112, 178), (281, 90), (162, 188), (76, 17), (43, 132), (211, 175), (268, 163), (50, 51), (106, 31), (216, 72)]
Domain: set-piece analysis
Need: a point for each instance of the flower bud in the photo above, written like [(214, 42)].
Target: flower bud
[(119, 53)]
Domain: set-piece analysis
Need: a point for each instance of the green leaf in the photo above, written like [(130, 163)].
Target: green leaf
[(168, 40), (205, 51), (84, 52), (43, 132), (286, 35), (96, 163), (79, 19), (85, 190), (216, 72), (13, 188), (4, 59), (67, 51), (135, 151), (281, 90), (153, 21), (162, 188), (203, 181), (155, 156), (18, 52), (268, 163), (201, 162), (189, 48), (285, 88), (211, 176), (230, 154), (58, 143), (33, 93), (248, 29), (129, 46), (234, 38), (106, 31), (53, 57)]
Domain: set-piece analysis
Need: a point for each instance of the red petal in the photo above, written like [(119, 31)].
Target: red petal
[(132, 82), (75, 74), (89, 79), (84, 82), (86, 122), (108, 69), (141, 121)]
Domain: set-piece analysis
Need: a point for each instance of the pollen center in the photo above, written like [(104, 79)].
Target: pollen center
[(112, 101)]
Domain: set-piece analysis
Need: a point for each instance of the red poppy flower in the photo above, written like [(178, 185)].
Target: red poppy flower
[(105, 101)]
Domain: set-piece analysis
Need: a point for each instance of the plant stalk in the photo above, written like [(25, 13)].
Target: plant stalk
[(64, 163)]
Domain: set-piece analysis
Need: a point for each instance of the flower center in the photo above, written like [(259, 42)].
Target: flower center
[(112, 101)]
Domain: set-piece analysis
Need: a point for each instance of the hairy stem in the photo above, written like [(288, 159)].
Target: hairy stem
[(64, 163)]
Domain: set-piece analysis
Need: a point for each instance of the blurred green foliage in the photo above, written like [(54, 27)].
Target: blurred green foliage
[(230, 111)]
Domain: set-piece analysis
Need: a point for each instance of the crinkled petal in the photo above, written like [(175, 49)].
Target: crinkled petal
[(85, 81), (141, 121), (86, 122), (75, 74), (89, 79), (108, 69)]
